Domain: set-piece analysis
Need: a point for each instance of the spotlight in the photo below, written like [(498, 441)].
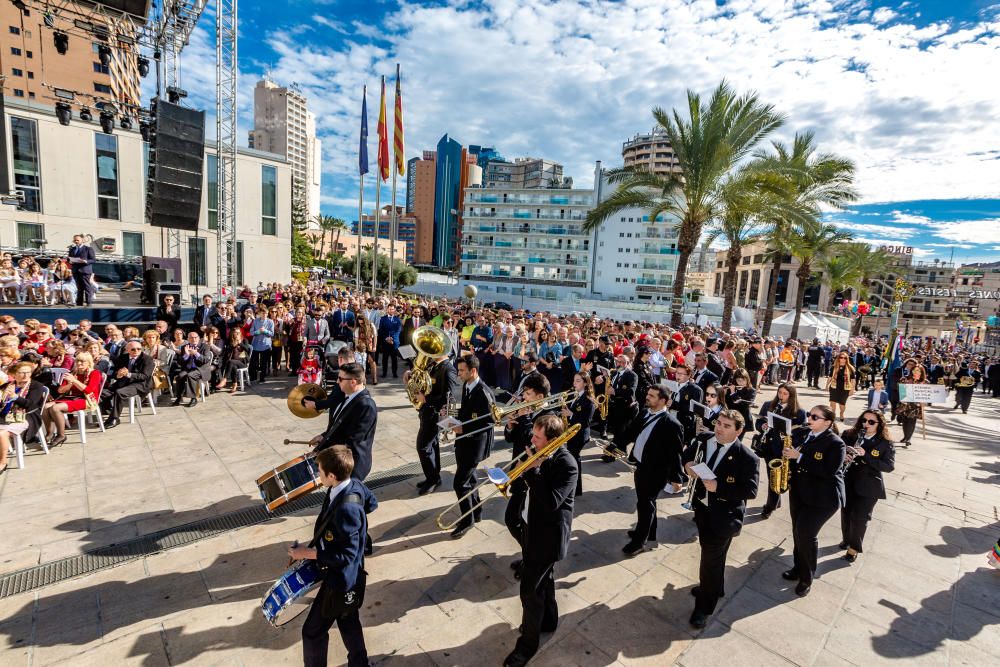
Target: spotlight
[(64, 113), (61, 40), (143, 67), (145, 129), (50, 20), (104, 53), (85, 115), (107, 122), (125, 122)]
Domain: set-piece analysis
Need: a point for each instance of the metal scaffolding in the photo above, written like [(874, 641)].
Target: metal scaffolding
[(226, 75)]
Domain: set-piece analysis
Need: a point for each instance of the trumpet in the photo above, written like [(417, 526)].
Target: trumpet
[(504, 477), (502, 414), (777, 469), (699, 455), (609, 450)]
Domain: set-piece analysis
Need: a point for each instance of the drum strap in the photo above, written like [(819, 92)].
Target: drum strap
[(349, 498)]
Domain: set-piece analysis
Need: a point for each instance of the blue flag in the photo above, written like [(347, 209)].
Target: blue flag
[(363, 148)]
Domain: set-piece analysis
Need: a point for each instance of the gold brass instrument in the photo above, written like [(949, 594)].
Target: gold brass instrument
[(699, 456), (603, 401), (502, 478), (777, 469), (501, 414), (609, 450), (967, 381), (297, 396), (432, 345)]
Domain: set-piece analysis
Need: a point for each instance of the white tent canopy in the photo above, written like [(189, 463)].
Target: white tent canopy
[(811, 325)]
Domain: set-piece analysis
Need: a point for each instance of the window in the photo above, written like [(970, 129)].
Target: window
[(30, 235), (31, 75), (101, 69), (268, 201), (14, 51), (107, 175), (27, 175), (18, 92), (31, 95), (29, 54), (212, 178), (197, 262), (14, 30), (102, 88), (132, 245)]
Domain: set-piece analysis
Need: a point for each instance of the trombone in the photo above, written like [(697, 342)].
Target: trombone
[(502, 414), (503, 477), (610, 450)]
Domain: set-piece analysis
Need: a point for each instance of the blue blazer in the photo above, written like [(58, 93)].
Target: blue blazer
[(389, 327), (83, 252), (336, 321), (340, 545), (883, 400)]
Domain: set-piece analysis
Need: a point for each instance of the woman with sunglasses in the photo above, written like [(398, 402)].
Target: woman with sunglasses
[(784, 404), (908, 413), (715, 399), (815, 489), (869, 454), (841, 382)]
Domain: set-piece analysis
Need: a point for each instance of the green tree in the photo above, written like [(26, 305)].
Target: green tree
[(403, 275), (299, 212), (302, 250), (815, 180), (812, 243), (708, 143), (869, 263), (840, 274)]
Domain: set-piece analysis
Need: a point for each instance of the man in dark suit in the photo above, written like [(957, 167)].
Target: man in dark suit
[(81, 257), (687, 391), (342, 323), (338, 547), (754, 361), (194, 362), (444, 386), (352, 420), (571, 365), (548, 522), (134, 377), (993, 375), (720, 504), (389, 328), (814, 363), (417, 320), (477, 400), (206, 316), (703, 377), (658, 439), (623, 408)]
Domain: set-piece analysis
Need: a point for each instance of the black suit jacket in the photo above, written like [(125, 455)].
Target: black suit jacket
[(773, 444), (83, 252), (568, 369), (581, 412), (141, 373), (551, 491), (737, 475), (354, 426), (445, 387), (707, 378), (661, 455), (406, 336), (689, 392), (817, 479), (753, 362), (864, 476), (472, 449), (624, 383)]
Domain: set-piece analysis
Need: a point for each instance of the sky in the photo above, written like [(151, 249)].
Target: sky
[(905, 89)]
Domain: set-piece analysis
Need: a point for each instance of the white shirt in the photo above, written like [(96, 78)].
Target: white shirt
[(334, 491), (469, 386), (714, 446), (340, 408), (640, 441)]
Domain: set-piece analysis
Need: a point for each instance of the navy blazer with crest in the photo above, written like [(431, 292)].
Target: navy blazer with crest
[(817, 478), (737, 475), (339, 535)]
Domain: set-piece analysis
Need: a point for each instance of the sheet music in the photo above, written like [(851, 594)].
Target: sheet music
[(703, 471), (771, 416), (672, 386), (407, 351)]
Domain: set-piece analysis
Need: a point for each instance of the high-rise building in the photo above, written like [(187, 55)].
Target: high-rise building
[(82, 79), (406, 228), (651, 151), (284, 125), (420, 187), (485, 154), (524, 172)]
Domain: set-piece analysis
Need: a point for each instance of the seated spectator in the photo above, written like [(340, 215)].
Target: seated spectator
[(20, 409), (132, 377), (102, 360), (56, 357), (10, 281), (234, 357), (78, 389)]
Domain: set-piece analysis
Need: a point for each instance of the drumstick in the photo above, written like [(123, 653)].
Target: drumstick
[(292, 560)]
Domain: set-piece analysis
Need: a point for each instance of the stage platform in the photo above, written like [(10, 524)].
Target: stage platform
[(110, 307)]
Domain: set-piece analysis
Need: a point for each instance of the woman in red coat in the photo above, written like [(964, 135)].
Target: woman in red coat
[(72, 394)]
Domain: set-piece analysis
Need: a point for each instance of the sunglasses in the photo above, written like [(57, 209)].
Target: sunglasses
[(816, 417), (871, 421)]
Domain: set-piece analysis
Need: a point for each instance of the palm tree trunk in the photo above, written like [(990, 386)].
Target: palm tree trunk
[(677, 305), (733, 258), (800, 292), (772, 295), (856, 328)]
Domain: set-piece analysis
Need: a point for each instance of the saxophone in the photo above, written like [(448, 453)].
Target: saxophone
[(603, 399), (777, 469)]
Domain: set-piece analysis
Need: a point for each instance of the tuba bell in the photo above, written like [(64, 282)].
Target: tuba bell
[(432, 345)]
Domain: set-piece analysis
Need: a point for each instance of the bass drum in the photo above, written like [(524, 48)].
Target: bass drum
[(292, 593), (289, 481)]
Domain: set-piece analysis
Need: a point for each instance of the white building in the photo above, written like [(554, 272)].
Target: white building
[(56, 167), (283, 125)]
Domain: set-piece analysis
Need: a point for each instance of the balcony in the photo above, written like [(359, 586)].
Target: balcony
[(650, 249)]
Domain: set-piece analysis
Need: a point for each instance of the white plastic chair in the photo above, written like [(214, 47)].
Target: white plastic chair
[(243, 378), (19, 442), (57, 375), (81, 415), (136, 405)]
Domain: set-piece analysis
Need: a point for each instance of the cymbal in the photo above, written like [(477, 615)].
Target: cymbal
[(303, 391)]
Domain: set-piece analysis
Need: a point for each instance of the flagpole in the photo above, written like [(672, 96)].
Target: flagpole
[(397, 168), (378, 217), (357, 256), (392, 230)]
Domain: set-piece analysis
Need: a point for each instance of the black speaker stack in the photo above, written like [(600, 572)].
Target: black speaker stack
[(176, 162)]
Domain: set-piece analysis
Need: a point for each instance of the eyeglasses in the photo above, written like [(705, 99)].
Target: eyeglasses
[(816, 417), (873, 422)]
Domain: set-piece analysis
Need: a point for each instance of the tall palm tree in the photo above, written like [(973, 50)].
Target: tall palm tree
[(812, 243), (707, 145), (816, 180), (869, 263), (338, 226), (840, 274)]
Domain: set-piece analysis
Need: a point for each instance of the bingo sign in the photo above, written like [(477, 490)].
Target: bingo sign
[(923, 393)]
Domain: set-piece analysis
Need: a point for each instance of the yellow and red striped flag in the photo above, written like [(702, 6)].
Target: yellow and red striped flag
[(397, 133), (383, 139)]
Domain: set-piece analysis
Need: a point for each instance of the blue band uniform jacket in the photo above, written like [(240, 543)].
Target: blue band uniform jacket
[(864, 475), (339, 538), (817, 478), (737, 475)]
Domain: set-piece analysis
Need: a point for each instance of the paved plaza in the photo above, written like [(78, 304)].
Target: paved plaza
[(922, 593)]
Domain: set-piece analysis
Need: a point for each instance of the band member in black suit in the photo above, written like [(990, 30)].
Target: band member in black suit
[(720, 504), (338, 546), (815, 489), (741, 395), (784, 404), (703, 377), (623, 406), (580, 411), (964, 388), (352, 421), (870, 453), (715, 401), (134, 377), (658, 438), (194, 362), (687, 391), (444, 385), (551, 485), (81, 259), (477, 399)]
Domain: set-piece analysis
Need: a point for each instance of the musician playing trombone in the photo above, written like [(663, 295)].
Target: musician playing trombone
[(475, 413), (719, 504), (549, 486), (658, 438), (444, 385)]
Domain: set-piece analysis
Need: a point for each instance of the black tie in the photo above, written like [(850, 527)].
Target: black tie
[(715, 456), (649, 420)]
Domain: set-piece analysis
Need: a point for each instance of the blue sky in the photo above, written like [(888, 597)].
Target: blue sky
[(902, 88)]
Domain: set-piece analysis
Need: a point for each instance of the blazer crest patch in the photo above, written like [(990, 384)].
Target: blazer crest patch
[(875, 452), (474, 415), (328, 536), (730, 480), (578, 408), (818, 456)]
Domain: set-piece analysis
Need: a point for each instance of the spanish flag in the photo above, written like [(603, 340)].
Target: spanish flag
[(383, 139), (397, 133)]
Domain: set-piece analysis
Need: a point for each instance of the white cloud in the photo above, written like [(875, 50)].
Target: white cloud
[(969, 231), (864, 228), (961, 246), (883, 15), (910, 219)]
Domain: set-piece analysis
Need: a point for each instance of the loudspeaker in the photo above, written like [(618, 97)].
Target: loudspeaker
[(168, 289), (138, 8), (176, 157)]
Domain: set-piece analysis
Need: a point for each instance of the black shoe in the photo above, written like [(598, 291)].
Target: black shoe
[(426, 486), (803, 589), (477, 515), (790, 575), (698, 619), (516, 659), (842, 545), (632, 549), (193, 402), (766, 514), (461, 530), (176, 402), (850, 558), (111, 423), (695, 591)]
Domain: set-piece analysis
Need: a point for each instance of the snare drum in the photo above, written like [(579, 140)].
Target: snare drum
[(292, 593), (289, 481)]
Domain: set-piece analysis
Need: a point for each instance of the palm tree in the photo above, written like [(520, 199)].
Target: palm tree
[(840, 274), (816, 180), (812, 242), (869, 263), (707, 145), (338, 226)]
